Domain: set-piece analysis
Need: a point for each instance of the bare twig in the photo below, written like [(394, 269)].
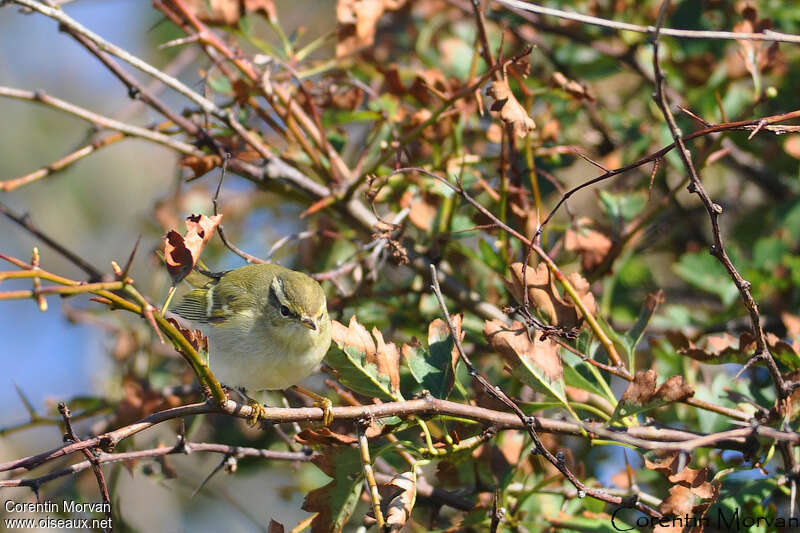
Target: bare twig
[(767, 35), (714, 211), (91, 455), (99, 120), (241, 253), (25, 222)]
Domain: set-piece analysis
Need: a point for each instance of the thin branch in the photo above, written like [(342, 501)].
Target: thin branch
[(767, 35), (25, 222), (61, 163), (714, 211), (91, 455), (103, 458), (99, 120), (645, 437)]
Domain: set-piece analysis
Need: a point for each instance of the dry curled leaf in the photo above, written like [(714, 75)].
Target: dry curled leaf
[(642, 389), (513, 343), (511, 111), (325, 436), (228, 12), (201, 165), (680, 502), (572, 87), (195, 337), (544, 297), (358, 22), (401, 493), (669, 464), (591, 244), (717, 349), (182, 252)]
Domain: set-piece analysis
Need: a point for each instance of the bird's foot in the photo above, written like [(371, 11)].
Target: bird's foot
[(258, 412), (327, 410), (319, 401)]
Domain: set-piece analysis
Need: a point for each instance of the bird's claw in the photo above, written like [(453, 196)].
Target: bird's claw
[(327, 410), (258, 412)]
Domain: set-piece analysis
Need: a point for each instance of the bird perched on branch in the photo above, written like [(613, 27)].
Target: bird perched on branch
[(267, 325)]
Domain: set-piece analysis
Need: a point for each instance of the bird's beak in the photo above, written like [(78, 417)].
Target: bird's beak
[(309, 323)]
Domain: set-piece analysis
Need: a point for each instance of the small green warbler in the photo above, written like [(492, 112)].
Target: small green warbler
[(268, 327)]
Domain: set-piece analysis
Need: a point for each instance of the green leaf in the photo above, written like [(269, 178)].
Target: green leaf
[(703, 271), (352, 355), (434, 369), (622, 207), (491, 258), (574, 378), (768, 252), (355, 373), (335, 501), (634, 335)]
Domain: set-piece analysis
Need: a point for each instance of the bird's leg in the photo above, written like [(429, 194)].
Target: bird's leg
[(319, 401), (258, 409)]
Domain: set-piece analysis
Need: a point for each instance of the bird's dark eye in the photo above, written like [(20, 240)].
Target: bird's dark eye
[(285, 310)]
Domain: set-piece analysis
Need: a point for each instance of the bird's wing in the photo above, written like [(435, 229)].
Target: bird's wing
[(214, 303)]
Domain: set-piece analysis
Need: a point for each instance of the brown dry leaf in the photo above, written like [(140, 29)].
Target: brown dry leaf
[(358, 22), (758, 56), (696, 480), (543, 295), (343, 97), (310, 436), (512, 342), (511, 111), (576, 394), (201, 165), (181, 253), (717, 349), (427, 78), (572, 87), (675, 389), (511, 446), (401, 493), (642, 389), (680, 502), (195, 337), (592, 245), (712, 348), (386, 357), (275, 527), (228, 12)]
